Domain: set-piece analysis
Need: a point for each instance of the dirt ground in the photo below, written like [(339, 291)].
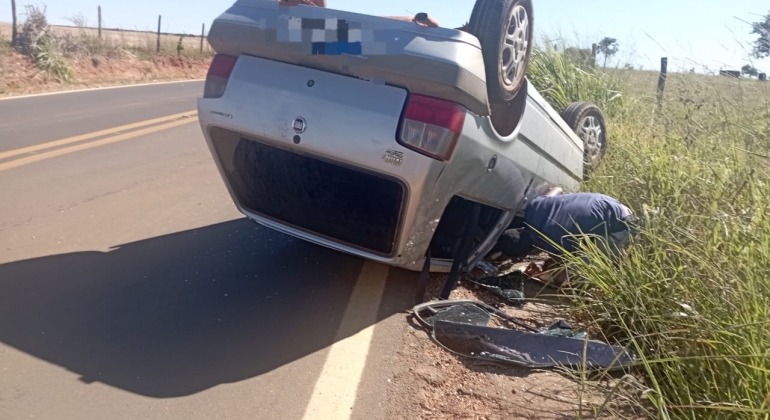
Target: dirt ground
[(435, 384), (19, 75)]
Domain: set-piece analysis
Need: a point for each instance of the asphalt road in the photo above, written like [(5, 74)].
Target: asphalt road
[(130, 287)]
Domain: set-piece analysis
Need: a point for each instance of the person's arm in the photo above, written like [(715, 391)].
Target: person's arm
[(428, 22), (317, 3)]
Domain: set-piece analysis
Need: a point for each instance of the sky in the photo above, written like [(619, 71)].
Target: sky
[(700, 34)]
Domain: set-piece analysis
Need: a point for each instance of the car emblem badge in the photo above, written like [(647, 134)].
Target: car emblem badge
[(393, 157), (300, 125)]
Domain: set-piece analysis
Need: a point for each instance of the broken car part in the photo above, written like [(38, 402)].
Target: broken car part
[(462, 327), (426, 312), (509, 287)]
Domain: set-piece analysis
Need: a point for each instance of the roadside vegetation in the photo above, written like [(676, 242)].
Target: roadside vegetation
[(47, 57), (692, 296), (561, 81)]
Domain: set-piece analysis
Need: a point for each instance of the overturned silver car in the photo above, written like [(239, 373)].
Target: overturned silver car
[(379, 137)]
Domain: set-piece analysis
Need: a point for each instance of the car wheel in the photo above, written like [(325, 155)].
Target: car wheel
[(505, 30), (587, 120), (506, 117)]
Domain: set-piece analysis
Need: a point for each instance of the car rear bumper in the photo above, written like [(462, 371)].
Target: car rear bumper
[(353, 209), (352, 206)]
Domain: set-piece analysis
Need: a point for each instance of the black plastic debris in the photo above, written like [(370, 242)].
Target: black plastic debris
[(463, 314), (476, 313), (509, 287), (563, 329), (463, 327), (488, 268)]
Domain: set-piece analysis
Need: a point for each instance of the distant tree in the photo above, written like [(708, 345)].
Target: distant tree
[(762, 44), (692, 70), (749, 70), (607, 47)]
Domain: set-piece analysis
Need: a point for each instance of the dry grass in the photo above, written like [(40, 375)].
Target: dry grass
[(129, 40), (70, 58), (20, 75)]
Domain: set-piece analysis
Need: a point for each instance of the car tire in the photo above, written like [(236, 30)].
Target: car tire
[(506, 117), (587, 121), (505, 30)]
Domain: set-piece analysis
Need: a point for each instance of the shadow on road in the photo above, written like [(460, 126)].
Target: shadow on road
[(175, 315)]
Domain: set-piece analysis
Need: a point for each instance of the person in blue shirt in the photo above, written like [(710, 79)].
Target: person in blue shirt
[(556, 224)]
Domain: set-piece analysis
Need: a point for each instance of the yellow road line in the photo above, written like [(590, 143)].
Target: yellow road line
[(109, 140), (335, 391), (83, 137)]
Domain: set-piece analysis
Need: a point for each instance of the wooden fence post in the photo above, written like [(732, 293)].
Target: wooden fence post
[(158, 48), (14, 30), (203, 36), (662, 80), (100, 21)]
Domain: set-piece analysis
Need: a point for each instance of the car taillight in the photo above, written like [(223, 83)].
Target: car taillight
[(218, 75), (432, 126)]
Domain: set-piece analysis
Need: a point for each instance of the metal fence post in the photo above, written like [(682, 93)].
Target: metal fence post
[(158, 48), (14, 30), (203, 36), (662, 80)]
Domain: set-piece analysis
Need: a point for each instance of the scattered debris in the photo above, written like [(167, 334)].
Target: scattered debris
[(549, 271), (509, 287), (563, 329), (535, 268), (488, 268), (463, 327)]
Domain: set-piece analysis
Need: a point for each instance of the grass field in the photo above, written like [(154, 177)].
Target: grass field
[(692, 296)]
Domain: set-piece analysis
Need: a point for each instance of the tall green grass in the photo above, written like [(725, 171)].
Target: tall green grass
[(692, 295), (49, 59), (562, 82)]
